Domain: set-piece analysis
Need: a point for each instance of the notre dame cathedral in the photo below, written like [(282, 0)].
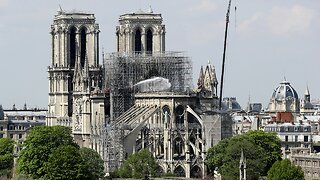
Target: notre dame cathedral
[(140, 96)]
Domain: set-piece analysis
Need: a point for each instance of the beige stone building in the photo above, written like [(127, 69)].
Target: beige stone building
[(15, 123), (309, 162)]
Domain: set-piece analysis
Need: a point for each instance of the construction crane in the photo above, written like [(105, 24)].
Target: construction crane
[(224, 53)]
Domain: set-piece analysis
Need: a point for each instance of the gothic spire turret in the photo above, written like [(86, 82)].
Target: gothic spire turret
[(307, 91), (307, 95), (201, 78), (86, 75), (210, 79), (86, 68), (243, 166), (78, 73)]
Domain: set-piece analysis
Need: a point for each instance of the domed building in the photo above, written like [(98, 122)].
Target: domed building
[(284, 99)]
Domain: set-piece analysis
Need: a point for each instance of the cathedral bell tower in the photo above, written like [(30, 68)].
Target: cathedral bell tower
[(140, 32), (75, 44)]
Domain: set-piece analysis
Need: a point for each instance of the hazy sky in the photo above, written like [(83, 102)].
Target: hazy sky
[(268, 40)]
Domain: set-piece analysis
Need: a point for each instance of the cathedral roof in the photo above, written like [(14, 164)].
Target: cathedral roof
[(284, 91)]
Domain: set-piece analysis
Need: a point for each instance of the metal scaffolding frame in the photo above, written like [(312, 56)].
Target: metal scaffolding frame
[(122, 72)]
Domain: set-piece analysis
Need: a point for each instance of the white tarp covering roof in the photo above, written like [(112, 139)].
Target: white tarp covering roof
[(154, 84)]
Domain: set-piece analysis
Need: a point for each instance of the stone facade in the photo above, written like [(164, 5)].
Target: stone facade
[(75, 78), (291, 136), (309, 162)]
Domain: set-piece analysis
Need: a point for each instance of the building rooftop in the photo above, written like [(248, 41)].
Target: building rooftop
[(284, 91)]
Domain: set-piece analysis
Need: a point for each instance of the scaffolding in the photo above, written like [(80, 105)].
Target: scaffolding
[(122, 72)]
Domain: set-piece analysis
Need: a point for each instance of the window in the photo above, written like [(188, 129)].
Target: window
[(149, 41), (11, 136), (137, 41), (72, 47), (286, 138), (305, 138), (20, 136), (83, 47), (1, 135), (1, 128), (296, 139)]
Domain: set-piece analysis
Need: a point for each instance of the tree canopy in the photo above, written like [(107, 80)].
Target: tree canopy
[(65, 162), (93, 162), (260, 149), (270, 143), (39, 144), (49, 152), (139, 165), (6, 156), (285, 170)]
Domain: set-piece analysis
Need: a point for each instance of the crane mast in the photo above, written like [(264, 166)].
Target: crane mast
[(224, 54)]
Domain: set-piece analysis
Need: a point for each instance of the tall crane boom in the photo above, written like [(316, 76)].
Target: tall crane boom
[(224, 53)]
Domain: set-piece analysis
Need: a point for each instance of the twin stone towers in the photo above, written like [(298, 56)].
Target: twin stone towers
[(118, 108)]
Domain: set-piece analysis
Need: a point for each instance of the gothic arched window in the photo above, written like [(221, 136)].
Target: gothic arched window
[(83, 46), (149, 41), (137, 41), (72, 46)]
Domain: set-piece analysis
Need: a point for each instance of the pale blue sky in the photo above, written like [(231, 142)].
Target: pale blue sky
[(268, 39)]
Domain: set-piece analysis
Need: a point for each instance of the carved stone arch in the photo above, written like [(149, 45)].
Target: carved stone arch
[(150, 27), (87, 105), (70, 27), (196, 172), (179, 171), (137, 27), (178, 148), (179, 110), (166, 115), (82, 26), (179, 116)]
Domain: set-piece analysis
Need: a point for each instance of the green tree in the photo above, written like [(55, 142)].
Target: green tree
[(139, 165), (93, 161), (6, 156), (270, 143), (225, 157), (284, 170), (39, 144), (65, 162)]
